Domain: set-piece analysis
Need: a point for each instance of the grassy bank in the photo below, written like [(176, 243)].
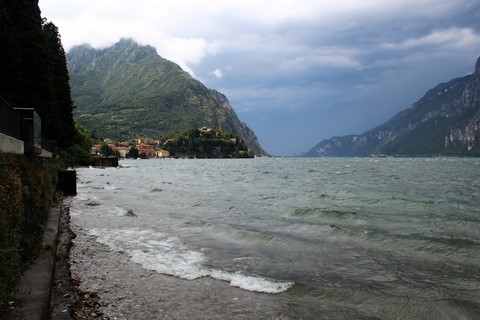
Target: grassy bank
[(27, 187)]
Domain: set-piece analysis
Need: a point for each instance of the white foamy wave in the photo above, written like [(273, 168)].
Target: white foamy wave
[(109, 186), (122, 211), (251, 283), (81, 198), (168, 255), (184, 265)]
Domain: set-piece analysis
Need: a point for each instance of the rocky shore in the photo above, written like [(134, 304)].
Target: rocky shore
[(68, 300)]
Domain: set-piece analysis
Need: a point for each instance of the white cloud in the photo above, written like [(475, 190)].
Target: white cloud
[(186, 31), (217, 73), (452, 38), (324, 56)]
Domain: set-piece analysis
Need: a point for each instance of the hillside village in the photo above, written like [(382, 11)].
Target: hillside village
[(202, 142), (138, 148)]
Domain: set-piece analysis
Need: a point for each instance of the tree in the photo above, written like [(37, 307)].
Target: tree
[(62, 128), (79, 152), (132, 153), (106, 150), (206, 143), (33, 68)]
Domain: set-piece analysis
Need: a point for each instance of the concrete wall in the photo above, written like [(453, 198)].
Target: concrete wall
[(10, 145), (46, 154)]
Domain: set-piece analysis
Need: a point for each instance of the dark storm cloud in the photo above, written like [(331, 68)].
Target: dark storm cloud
[(296, 72)]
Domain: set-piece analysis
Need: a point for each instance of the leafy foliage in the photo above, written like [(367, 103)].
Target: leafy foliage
[(132, 153), (61, 124), (33, 71), (106, 150), (79, 152), (26, 193), (206, 143)]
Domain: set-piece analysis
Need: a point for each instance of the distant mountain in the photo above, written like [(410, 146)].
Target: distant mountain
[(446, 121), (128, 90)]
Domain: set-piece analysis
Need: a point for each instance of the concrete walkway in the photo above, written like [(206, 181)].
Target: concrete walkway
[(31, 299)]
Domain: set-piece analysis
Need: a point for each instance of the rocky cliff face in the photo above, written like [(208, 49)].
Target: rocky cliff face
[(445, 121), (230, 122), (467, 134), (129, 90)]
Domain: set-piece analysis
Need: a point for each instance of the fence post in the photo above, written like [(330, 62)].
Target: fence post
[(67, 182)]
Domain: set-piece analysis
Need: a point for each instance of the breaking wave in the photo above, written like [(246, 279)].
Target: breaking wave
[(168, 255)]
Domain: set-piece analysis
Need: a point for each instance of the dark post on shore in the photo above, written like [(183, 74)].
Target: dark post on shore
[(67, 182)]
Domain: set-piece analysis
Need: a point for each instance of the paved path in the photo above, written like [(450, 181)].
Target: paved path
[(32, 297)]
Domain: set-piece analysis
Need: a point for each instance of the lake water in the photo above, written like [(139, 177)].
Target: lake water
[(356, 238)]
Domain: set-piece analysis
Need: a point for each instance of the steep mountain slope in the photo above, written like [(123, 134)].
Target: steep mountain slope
[(445, 121), (128, 90)]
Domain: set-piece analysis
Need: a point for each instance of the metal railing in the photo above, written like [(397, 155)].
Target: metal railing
[(49, 145), (26, 125)]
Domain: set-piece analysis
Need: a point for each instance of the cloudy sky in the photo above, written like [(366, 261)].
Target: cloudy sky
[(296, 72)]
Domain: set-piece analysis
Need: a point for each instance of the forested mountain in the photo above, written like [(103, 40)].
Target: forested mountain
[(128, 90), (33, 72), (445, 121)]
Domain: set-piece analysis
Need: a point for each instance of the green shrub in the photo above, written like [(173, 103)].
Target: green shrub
[(27, 186)]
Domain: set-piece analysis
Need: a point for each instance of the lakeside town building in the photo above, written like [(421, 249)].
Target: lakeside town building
[(146, 147)]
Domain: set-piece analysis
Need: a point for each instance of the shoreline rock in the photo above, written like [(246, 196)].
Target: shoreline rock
[(68, 300)]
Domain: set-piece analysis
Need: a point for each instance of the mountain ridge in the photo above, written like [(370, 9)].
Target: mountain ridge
[(445, 121), (128, 89)]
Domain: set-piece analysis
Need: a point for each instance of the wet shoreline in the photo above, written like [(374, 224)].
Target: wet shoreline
[(122, 289), (92, 282), (128, 291), (68, 300)]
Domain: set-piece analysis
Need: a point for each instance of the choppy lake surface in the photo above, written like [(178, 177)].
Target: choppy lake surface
[(386, 238)]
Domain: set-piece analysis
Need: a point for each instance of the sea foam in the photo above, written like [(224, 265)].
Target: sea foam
[(168, 255)]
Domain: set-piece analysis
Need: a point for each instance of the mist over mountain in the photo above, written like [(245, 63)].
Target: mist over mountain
[(128, 90), (445, 121)]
